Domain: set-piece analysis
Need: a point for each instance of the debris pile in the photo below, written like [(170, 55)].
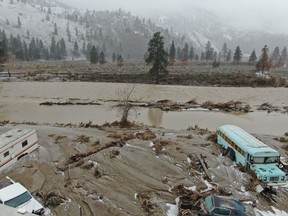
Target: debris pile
[(146, 135), (159, 145), (230, 106), (268, 107), (51, 199), (146, 204)]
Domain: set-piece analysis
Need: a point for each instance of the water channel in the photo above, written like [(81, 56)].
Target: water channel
[(20, 102)]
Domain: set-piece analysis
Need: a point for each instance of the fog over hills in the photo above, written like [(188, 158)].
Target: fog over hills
[(127, 30)]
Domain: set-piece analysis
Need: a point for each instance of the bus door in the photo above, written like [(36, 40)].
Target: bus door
[(247, 157)]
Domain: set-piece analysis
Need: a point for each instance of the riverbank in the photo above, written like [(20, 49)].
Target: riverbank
[(197, 73)]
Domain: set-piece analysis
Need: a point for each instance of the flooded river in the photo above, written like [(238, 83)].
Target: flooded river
[(20, 102)]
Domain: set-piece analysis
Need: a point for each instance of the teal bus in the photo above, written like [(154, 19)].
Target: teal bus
[(252, 154)]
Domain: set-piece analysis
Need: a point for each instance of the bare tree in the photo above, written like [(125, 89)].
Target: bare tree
[(124, 107)]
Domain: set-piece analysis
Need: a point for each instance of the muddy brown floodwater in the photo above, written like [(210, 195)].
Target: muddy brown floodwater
[(20, 102), (137, 177)]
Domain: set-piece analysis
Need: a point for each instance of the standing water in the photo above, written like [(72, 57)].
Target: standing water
[(20, 102)]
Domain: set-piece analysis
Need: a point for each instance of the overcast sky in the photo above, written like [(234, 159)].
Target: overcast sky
[(259, 14)]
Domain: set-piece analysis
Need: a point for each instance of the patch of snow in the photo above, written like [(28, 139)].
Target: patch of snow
[(196, 109), (173, 209), (276, 212), (189, 160), (192, 188), (135, 195), (151, 144)]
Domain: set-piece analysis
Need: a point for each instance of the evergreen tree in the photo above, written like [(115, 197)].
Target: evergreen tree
[(83, 50), (185, 53), (263, 63), (68, 32), (102, 58), (114, 57), (224, 51), (25, 51), (93, 58), (283, 57), (191, 53), (49, 10), (275, 57), (3, 54), (18, 22), (157, 56), (55, 32), (209, 51), (196, 57), (53, 49), (76, 52), (202, 57), (179, 54), (172, 53), (237, 55), (253, 58), (119, 60), (4, 41), (63, 50), (229, 55)]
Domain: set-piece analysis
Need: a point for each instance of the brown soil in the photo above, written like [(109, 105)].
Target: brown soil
[(119, 171)]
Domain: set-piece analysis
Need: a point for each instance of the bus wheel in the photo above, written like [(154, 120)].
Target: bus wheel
[(21, 156)]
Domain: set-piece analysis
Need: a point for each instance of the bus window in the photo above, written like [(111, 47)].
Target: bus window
[(271, 160), (259, 160)]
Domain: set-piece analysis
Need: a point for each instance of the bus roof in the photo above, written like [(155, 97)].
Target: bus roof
[(12, 135), (245, 141)]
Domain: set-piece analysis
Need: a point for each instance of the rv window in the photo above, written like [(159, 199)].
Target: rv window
[(25, 143), (6, 154)]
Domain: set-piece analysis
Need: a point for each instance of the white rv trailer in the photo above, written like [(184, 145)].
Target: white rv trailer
[(15, 144)]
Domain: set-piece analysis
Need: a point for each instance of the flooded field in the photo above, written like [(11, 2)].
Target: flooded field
[(20, 102)]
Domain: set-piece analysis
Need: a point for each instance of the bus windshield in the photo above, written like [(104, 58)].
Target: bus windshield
[(265, 160)]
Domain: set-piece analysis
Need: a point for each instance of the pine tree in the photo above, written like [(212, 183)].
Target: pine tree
[(229, 55), (224, 51), (172, 53), (102, 58), (53, 49), (185, 53), (202, 57), (76, 52), (191, 54), (157, 56), (18, 22), (209, 51), (283, 57), (253, 58), (120, 60), (49, 10), (63, 50), (25, 51), (3, 54), (55, 32), (263, 63), (179, 54), (4, 41), (237, 55), (275, 57), (196, 57), (114, 57), (93, 58)]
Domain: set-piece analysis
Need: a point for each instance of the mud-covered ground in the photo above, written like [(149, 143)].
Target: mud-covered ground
[(135, 171)]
